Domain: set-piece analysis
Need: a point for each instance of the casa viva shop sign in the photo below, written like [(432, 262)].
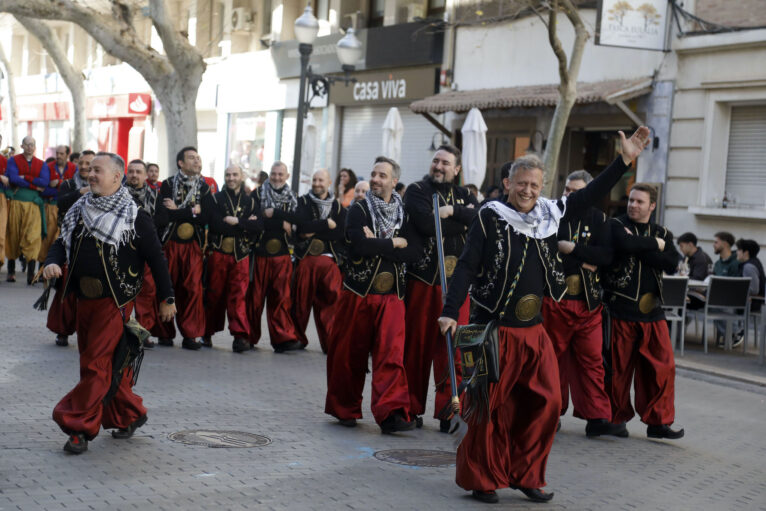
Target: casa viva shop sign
[(639, 24), (387, 87)]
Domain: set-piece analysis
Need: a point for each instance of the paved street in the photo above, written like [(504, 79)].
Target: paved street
[(313, 463)]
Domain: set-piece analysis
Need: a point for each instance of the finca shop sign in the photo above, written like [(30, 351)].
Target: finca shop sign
[(396, 86), (640, 24)]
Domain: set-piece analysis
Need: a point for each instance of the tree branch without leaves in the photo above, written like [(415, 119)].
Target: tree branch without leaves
[(72, 77)]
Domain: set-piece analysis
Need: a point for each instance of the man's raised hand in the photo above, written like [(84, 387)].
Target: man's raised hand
[(632, 147)]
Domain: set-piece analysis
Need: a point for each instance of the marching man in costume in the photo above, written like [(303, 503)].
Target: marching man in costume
[(641, 350), (510, 258), (424, 343), (231, 223), (370, 312), (186, 200), (272, 270), (106, 240), (318, 281), (574, 323)]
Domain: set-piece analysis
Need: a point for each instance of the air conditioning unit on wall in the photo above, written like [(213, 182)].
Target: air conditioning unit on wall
[(241, 20)]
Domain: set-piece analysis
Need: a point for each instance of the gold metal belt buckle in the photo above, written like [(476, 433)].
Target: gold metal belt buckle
[(450, 262), (273, 246), (383, 282), (316, 247), (91, 287), (647, 303), (185, 231), (528, 307), (574, 285), (227, 245)]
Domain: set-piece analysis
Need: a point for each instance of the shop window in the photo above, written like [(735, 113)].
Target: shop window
[(247, 136), (377, 11), (745, 185)]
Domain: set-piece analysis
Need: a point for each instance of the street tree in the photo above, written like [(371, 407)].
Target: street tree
[(174, 75), (11, 98), (71, 76), (569, 69)]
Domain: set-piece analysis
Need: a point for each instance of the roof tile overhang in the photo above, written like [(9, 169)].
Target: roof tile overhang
[(609, 91)]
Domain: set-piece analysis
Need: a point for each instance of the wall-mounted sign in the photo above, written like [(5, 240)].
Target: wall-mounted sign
[(121, 105), (640, 24), (139, 103), (54, 111), (387, 87)]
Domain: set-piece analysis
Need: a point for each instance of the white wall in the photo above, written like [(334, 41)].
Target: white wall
[(518, 53)]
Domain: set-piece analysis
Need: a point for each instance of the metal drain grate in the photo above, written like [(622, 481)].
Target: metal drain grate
[(417, 457), (215, 438)]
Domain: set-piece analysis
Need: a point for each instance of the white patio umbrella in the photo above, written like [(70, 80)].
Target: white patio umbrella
[(393, 130), (474, 148), (308, 153)]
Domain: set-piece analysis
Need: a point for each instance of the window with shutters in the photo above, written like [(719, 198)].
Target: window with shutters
[(746, 157)]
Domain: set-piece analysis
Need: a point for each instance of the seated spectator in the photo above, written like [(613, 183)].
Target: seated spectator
[(750, 266), (696, 262), (727, 264), (493, 193)]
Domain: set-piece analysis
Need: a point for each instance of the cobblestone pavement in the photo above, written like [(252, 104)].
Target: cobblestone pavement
[(313, 463)]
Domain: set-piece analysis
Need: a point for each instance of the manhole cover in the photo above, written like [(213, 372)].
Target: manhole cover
[(417, 457), (213, 438)]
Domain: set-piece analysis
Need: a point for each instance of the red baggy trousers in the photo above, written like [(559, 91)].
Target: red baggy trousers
[(226, 294), (577, 340), (147, 306), (185, 265), (316, 284), (62, 315), (425, 345), (271, 286), (641, 351), (99, 329), (373, 324), (512, 446)]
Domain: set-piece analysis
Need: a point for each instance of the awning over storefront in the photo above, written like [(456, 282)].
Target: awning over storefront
[(610, 91)]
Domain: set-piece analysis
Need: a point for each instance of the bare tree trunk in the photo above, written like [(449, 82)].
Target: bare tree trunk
[(72, 77), (178, 100), (14, 141), (568, 87), (174, 76)]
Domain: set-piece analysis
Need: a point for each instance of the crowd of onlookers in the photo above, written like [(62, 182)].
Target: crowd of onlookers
[(735, 259)]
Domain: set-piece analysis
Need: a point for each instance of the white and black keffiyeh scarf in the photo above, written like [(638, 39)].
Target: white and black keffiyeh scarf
[(283, 198), (324, 205), (145, 197), (110, 219), (540, 223), (386, 217), (186, 189)]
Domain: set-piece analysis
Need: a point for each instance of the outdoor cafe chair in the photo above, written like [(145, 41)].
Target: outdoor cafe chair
[(727, 300), (674, 304)]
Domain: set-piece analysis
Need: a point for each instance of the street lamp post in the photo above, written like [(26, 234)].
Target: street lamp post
[(349, 50)]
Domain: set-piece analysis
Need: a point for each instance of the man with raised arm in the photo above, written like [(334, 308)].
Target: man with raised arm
[(511, 262)]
